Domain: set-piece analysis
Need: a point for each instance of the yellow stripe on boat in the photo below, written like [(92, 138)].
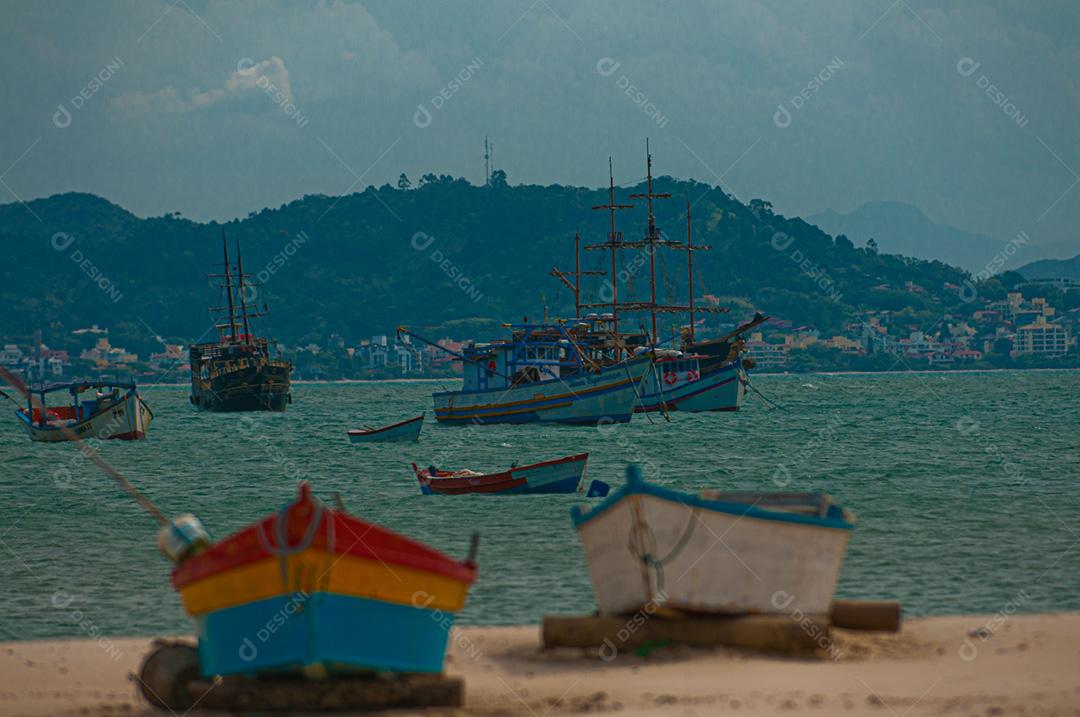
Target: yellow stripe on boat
[(313, 571)]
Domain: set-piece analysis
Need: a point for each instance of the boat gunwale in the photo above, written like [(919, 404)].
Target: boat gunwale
[(576, 458), (413, 554), (373, 431), (689, 500)]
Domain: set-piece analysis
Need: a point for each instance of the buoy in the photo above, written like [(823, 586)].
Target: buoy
[(182, 538)]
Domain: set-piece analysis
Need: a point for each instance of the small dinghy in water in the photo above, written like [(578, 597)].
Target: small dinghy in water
[(404, 432)]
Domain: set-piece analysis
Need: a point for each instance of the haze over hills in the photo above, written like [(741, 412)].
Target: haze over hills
[(1052, 269), (451, 256), (900, 228)]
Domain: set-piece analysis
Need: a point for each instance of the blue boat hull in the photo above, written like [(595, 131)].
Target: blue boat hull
[(289, 633)]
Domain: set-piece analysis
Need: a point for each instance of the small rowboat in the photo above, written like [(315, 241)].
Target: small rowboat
[(778, 552), (406, 431), (313, 590), (115, 411), (562, 475)]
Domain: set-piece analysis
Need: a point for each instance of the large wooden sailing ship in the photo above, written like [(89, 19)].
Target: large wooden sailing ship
[(681, 377), (240, 371)]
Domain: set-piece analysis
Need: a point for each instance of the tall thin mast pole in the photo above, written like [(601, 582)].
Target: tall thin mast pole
[(228, 286), (577, 274), (690, 269), (651, 237), (614, 253), (240, 279)]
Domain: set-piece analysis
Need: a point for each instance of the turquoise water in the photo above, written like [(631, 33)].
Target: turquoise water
[(964, 487)]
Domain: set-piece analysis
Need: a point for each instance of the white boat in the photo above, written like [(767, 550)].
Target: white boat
[(677, 383), (404, 432), (722, 553), (116, 411)]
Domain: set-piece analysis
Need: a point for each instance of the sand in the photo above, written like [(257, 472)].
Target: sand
[(972, 665)]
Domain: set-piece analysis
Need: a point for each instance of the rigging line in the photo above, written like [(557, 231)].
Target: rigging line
[(763, 397), (633, 385)]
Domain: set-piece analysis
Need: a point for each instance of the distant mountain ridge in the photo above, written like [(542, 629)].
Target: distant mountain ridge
[(1052, 269), (447, 257), (900, 228)]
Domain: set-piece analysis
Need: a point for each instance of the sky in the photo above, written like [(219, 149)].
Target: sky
[(966, 109)]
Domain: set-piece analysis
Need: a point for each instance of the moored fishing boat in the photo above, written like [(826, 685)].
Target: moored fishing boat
[(315, 590), (677, 383), (116, 411), (563, 475), (712, 553), (683, 384), (403, 432), (543, 373)]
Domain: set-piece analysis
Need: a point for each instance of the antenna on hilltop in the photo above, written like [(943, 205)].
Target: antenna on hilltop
[(487, 162)]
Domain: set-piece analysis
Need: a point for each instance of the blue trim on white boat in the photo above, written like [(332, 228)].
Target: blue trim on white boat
[(636, 485), (621, 367)]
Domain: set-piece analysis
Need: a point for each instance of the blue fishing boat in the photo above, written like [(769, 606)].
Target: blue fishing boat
[(559, 372)]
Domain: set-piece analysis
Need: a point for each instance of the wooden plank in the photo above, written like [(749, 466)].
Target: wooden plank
[(873, 615), (611, 635), (338, 693)]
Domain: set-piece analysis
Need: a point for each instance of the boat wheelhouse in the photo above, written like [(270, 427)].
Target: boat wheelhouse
[(559, 372)]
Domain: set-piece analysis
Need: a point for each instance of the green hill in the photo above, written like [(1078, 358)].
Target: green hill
[(351, 265)]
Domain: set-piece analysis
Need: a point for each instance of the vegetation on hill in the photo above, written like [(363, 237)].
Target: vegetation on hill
[(444, 255)]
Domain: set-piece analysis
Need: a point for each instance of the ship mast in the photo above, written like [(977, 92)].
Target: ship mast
[(228, 286), (575, 286), (690, 269), (243, 302), (614, 238), (651, 236)]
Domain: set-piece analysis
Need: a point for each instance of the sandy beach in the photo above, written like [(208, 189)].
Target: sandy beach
[(965, 665)]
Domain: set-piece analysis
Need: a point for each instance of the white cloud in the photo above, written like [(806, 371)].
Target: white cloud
[(248, 77)]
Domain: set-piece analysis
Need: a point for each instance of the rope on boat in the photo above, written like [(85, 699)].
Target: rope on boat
[(633, 385), (90, 453), (763, 397)]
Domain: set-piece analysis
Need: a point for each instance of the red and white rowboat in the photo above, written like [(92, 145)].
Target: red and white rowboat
[(562, 475)]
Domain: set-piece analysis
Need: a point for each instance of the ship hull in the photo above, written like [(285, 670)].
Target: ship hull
[(262, 387), (722, 389), (607, 396), (775, 561)]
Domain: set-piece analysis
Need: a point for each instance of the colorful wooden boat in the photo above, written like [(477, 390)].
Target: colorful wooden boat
[(712, 553), (115, 411), (403, 432), (315, 590), (677, 383), (563, 475), (542, 373)]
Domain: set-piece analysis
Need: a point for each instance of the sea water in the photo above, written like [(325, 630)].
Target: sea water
[(964, 488)]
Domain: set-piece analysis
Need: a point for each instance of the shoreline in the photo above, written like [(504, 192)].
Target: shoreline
[(969, 664), (753, 374)]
